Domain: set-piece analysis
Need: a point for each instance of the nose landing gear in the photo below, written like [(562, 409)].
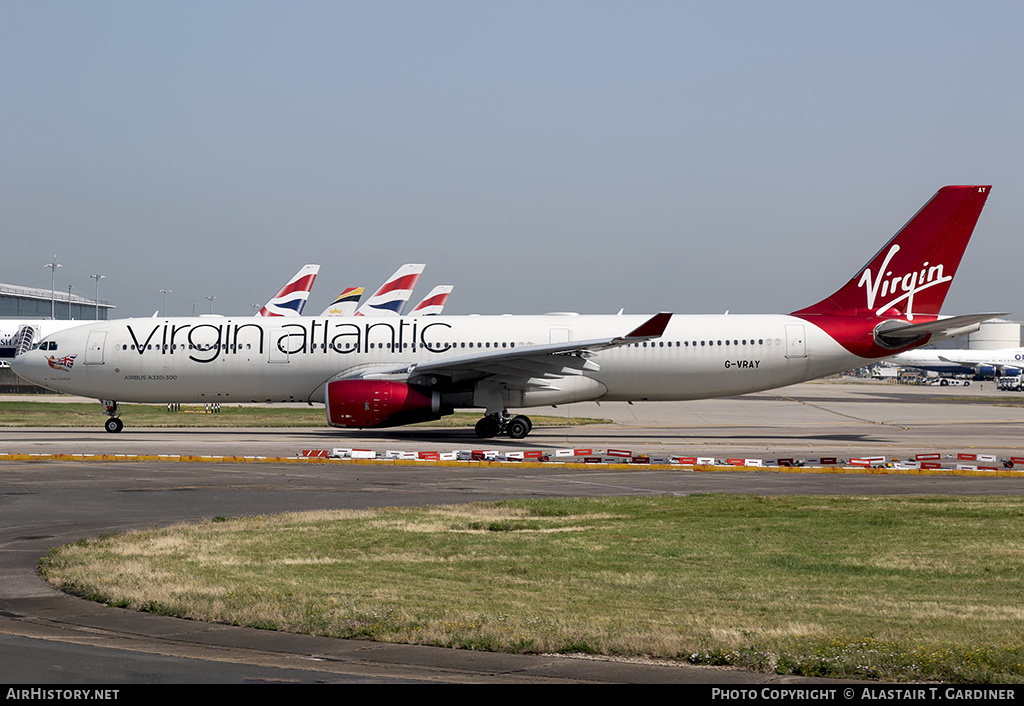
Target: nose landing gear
[(501, 423), (113, 423)]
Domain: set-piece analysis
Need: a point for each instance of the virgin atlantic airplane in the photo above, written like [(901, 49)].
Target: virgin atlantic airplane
[(390, 371)]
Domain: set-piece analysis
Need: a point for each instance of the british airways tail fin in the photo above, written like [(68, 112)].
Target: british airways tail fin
[(292, 297), (910, 275), (345, 304), (433, 303), (393, 295)]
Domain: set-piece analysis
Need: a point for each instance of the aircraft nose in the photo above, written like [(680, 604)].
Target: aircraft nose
[(24, 364)]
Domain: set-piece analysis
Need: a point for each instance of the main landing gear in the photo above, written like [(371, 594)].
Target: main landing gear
[(113, 423), (501, 423)]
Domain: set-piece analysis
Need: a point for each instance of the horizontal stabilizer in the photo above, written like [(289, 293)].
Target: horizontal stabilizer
[(896, 334)]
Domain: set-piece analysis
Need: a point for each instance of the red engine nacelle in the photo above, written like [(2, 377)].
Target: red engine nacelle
[(379, 403)]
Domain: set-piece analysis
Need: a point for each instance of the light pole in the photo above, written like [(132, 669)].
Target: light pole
[(98, 278), (53, 269), (211, 303), (165, 292), (69, 301)]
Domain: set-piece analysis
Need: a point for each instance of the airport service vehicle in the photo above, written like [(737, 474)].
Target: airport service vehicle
[(390, 371), (946, 382), (1010, 384)]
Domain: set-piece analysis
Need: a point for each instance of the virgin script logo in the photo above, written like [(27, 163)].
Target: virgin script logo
[(900, 287)]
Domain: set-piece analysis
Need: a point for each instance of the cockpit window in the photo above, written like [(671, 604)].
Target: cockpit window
[(45, 346)]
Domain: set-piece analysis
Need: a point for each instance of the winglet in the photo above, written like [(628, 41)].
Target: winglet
[(652, 328)]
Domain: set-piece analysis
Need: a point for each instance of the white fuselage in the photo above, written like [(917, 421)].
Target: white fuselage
[(247, 359)]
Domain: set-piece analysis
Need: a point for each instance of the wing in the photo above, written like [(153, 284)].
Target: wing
[(980, 366), (524, 368)]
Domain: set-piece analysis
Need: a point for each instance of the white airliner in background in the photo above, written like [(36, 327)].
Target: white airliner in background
[(377, 372), (980, 363)]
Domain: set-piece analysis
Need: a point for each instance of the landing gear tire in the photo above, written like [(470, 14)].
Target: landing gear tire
[(113, 425), (487, 428), (519, 427), (496, 424)]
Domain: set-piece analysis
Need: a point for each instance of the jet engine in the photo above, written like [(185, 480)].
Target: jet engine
[(380, 403)]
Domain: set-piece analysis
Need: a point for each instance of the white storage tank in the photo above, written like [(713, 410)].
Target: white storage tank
[(996, 334)]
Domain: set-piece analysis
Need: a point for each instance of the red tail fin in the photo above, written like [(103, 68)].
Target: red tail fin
[(910, 276)]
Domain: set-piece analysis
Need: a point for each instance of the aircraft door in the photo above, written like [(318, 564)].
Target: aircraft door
[(94, 347), (796, 344)]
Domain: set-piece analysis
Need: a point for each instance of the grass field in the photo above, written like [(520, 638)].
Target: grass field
[(83, 414), (893, 588)]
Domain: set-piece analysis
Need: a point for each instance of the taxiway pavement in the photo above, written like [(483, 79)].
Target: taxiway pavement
[(47, 637)]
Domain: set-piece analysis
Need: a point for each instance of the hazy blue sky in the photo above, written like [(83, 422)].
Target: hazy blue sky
[(540, 156)]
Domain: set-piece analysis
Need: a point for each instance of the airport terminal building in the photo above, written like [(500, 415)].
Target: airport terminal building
[(17, 302)]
